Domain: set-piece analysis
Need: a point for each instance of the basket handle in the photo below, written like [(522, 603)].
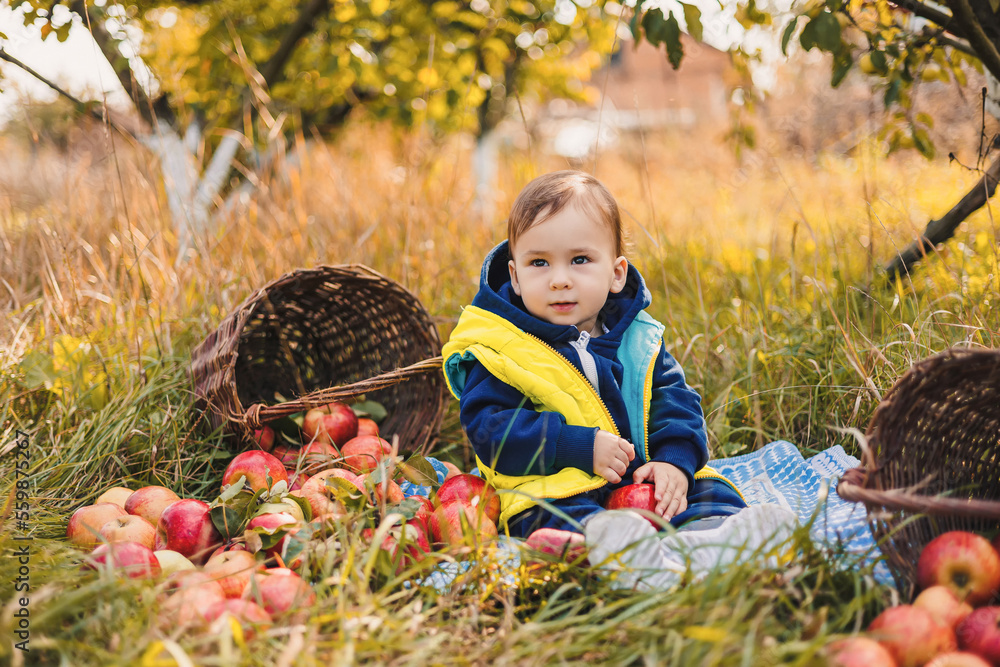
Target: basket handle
[(258, 414), (851, 487)]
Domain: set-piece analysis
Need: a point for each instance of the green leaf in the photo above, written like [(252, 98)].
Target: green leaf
[(923, 143), (233, 490), (227, 521), (418, 470), (38, 370), (787, 35), (892, 92), (347, 493), (303, 505), (655, 27), (841, 66), (675, 51), (370, 409), (879, 62), (827, 31), (692, 19), (807, 38), (408, 508)]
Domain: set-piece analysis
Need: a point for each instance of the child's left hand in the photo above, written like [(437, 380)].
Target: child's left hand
[(671, 487)]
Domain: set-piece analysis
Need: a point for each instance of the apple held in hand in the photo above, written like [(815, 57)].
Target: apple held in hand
[(964, 562), (634, 496), (858, 652), (255, 465), (363, 453), (473, 491), (186, 527), (979, 633), (150, 501), (130, 528), (911, 635), (84, 527), (129, 558)]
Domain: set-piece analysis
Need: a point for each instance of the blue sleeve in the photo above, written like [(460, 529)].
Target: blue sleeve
[(515, 439), (677, 432)]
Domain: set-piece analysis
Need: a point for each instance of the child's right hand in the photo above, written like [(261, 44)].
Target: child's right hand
[(611, 456)]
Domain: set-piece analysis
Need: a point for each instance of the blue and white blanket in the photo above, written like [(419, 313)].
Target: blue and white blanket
[(776, 473)]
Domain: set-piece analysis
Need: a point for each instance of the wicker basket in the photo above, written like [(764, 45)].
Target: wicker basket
[(318, 335), (934, 460)]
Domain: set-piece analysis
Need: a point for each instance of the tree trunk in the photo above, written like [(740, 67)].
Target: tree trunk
[(942, 229)]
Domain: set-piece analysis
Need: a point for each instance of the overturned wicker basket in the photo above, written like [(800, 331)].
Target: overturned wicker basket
[(318, 335), (934, 464)]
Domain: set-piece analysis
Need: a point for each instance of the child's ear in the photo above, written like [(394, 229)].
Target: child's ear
[(620, 275), (513, 278)]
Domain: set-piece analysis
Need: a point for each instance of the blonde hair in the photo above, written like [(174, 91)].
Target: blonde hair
[(546, 195)]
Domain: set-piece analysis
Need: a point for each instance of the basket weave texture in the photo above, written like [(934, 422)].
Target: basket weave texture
[(318, 335), (934, 460)]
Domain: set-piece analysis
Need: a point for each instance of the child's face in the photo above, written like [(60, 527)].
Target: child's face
[(564, 268)]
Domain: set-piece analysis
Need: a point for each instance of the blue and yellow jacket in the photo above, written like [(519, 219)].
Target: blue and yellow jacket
[(530, 412)]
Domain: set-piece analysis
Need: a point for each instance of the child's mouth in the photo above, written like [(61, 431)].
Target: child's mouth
[(563, 307)]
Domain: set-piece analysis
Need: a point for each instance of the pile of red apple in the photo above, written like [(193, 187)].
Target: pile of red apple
[(953, 622), (239, 555)]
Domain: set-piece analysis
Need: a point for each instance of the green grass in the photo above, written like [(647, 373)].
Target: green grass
[(764, 278)]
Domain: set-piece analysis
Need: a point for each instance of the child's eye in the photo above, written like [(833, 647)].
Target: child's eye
[(539, 262), (581, 259)]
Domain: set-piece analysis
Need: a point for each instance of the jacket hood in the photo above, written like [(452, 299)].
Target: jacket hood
[(497, 296)]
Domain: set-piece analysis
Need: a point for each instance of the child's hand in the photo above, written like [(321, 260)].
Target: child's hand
[(611, 456), (671, 487)]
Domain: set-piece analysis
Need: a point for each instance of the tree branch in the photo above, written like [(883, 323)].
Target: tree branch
[(985, 49), (88, 109), (147, 109), (271, 71), (942, 229), (931, 14)]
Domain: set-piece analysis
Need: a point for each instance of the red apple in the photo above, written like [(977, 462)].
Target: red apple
[(964, 562), (384, 492), (320, 497), (310, 458), (634, 496), (312, 426), (187, 596), (186, 527), (473, 491), (363, 453), (367, 426), (280, 591), (911, 635), (264, 437), (423, 515), (134, 560), (271, 523), (562, 544), (958, 659), (84, 527), (406, 544), (116, 494), (457, 524), (249, 615), (943, 605), (296, 479), (150, 501), (171, 562), (452, 470), (858, 652), (979, 633), (130, 528), (232, 569), (341, 424), (255, 466)]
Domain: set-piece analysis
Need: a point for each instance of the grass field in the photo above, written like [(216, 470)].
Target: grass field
[(765, 274)]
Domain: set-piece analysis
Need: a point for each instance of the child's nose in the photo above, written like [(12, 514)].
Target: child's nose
[(560, 279)]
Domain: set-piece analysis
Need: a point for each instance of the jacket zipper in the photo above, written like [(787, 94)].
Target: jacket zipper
[(607, 413)]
